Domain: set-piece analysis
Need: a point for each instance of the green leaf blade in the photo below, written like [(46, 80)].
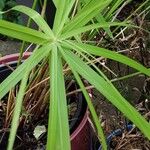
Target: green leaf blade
[(110, 93), (111, 55), (22, 33), (91, 27), (86, 14), (36, 17), (17, 74), (58, 131), (62, 15), (89, 102), (17, 110)]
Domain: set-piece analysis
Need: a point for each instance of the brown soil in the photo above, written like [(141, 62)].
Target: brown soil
[(130, 141), (25, 139)]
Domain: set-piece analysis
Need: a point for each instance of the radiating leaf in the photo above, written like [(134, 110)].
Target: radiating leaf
[(52, 136), (115, 7), (102, 20), (38, 19), (17, 110), (110, 93), (91, 27), (63, 10), (111, 55), (90, 105), (89, 11), (56, 3), (17, 75), (58, 127), (22, 33)]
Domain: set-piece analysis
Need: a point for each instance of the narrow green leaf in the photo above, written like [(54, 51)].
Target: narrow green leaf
[(63, 10), (63, 109), (17, 74), (93, 112), (90, 105), (65, 17), (59, 14), (101, 20), (115, 7), (56, 3), (58, 127), (38, 19), (91, 27), (22, 33), (110, 93), (17, 110), (109, 54), (53, 112), (89, 11)]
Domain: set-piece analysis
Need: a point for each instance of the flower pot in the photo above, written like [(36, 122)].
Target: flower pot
[(79, 129), (115, 133)]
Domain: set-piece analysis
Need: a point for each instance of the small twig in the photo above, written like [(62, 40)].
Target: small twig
[(74, 10), (79, 90), (28, 47), (119, 10), (120, 32), (7, 65), (129, 49)]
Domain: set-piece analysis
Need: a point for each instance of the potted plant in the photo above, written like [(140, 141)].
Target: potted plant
[(77, 109), (61, 45)]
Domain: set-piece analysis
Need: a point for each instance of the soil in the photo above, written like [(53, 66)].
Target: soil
[(8, 47), (129, 141), (25, 139)]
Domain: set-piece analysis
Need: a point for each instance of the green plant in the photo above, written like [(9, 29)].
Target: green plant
[(61, 44)]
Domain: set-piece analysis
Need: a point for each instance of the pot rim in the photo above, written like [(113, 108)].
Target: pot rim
[(8, 58)]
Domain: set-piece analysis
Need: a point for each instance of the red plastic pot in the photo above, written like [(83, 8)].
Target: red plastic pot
[(81, 136)]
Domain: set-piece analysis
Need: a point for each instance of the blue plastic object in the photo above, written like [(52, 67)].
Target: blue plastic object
[(116, 133)]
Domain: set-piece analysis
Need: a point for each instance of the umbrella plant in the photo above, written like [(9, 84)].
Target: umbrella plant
[(62, 44)]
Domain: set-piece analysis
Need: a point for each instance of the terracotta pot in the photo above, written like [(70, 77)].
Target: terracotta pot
[(81, 135)]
